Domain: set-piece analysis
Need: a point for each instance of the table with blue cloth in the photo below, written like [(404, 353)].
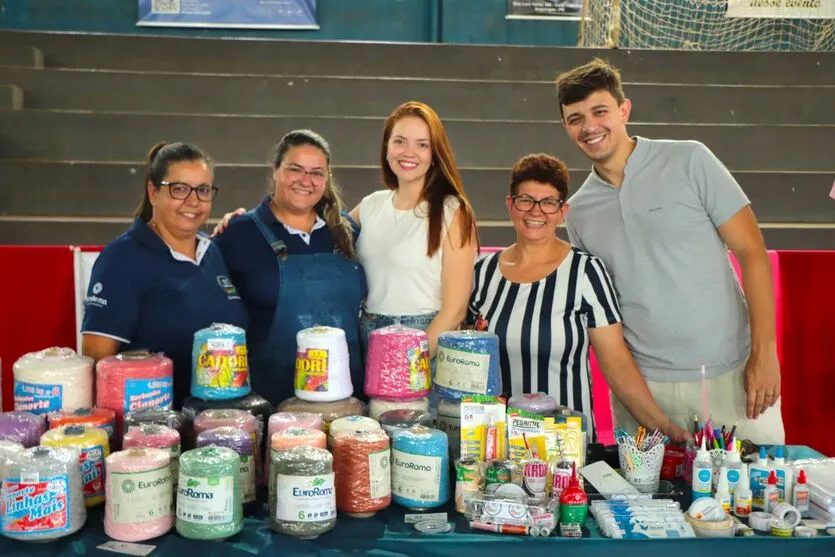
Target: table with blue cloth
[(387, 535)]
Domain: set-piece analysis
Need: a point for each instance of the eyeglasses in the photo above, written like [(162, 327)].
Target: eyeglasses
[(298, 173), (549, 205), (181, 190)]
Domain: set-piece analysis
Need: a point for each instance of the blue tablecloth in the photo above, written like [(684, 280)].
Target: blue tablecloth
[(387, 535)]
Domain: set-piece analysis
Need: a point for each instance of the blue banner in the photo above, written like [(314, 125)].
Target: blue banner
[(231, 14)]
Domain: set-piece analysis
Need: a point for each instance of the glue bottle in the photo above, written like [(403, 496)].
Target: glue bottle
[(784, 475), (574, 504), (742, 495), (734, 464), (758, 475), (800, 495), (771, 495), (702, 473), (723, 494)]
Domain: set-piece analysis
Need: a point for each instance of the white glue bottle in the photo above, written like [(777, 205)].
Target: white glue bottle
[(758, 475), (784, 476), (723, 495), (734, 464), (771, 494), (742, 495), (702, 473), (800, 495)]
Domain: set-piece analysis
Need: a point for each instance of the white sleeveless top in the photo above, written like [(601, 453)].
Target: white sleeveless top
[(392, 243)]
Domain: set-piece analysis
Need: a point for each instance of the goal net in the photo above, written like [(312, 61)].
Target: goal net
[(696, 25)]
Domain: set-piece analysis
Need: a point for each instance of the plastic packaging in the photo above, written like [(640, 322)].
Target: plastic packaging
[(171, 418), (139, 497), (467, 362), (241, 442), (42, 494), (51, 380), (378, 406), (303, 503), (352, 423), (328, 411), (397, 365), (93, 447), (209, 503), (210, 419), (22, 427), (323, 372), (220, 365), (7, 449), (449, 421), (292, 437), (420, 468), (253, 403), (538, 403), (156, 436), (103, 418), (363, 474), (784, 475), (758, 475), (395, 420)]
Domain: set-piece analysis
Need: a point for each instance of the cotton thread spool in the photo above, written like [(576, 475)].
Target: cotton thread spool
[(22, 427), (395, 420), (420, 468), (230, 417), (379, 406), (363, 473), (170, 418), (209, 503), (467, 362), (7, 449), (239, 441), (103, 418), (323, 373), (303, 504), (285, 420), (290, 438), (93, 447), (51, 380), (397, 366), (156, 436), (133, 381), (352, 423), (533, 402), (449, 421), (139, 496), (42, 494), (253, 403), (328, 411), (220, 364)]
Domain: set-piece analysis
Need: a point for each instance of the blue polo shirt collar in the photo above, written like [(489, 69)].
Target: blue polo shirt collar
[(142, 233), (266, 213)]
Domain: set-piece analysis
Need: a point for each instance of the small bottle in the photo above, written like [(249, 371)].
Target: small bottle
[(784, 475), (742, 495), (574, 504), (771, 495), (758, 475), (800, 496), (723, 494), (734, 464), (702, 473)]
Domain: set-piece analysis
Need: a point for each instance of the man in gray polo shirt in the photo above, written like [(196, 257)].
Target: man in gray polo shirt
[(661, 215)]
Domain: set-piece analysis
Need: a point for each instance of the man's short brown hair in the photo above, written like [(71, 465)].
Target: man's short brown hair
[(577, 84)]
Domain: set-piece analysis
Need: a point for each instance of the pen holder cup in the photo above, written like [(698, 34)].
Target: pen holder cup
[(717, 459), (642, 469)]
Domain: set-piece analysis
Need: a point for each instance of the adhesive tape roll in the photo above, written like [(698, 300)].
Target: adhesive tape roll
[(780, 529), (759, 521), (805, 532), (707, 508), (788, 514)]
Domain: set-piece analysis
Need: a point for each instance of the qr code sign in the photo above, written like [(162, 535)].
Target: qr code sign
[(165, 6)]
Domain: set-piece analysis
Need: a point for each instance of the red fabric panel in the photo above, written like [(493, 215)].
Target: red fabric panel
[(808, 280), (38, 312)]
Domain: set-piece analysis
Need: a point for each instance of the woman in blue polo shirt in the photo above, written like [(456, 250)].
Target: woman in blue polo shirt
[(293, 261), (161, 281)]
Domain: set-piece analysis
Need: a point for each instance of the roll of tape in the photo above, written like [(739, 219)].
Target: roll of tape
[(759, 521), (805, 532), (780, 529), (788, 514)]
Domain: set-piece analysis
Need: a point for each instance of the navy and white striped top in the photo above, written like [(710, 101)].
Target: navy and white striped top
[(543, 326)]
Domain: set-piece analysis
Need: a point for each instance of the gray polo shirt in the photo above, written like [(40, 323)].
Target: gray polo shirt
[(657, 234)]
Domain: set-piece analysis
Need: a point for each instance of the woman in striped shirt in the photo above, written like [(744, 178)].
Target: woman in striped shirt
[(549, 302)]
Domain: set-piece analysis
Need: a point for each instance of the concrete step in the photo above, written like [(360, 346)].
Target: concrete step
[(82, 232), (372, 97), (55, 189), (181, 54), (58, 135), (21, 55)]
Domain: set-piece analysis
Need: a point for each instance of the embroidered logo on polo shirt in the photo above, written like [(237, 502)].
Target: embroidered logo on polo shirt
[(227, 286), (95, 300)]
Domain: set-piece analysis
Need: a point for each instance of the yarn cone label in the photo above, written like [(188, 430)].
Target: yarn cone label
[(205, 500), (37, 398), (462, 370), (145, 394), (222, 363), (416, 477), (141, 496), (305, 498), (419, 375), (312, 370), (39, 506), (379, 474), (92, 471)]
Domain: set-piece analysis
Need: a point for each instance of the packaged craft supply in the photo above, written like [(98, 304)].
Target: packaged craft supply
[(420, 468), (467, 362), (156, 436), (103, 418), (220, 363), (328, 411), (565, 437), (42, 495), (22, 427), (395, 420), (363, 474), (93, 447), (209, 503), (323, 372), (525, 435), (469, 481), (537, 403), (253, 403), (483, 428), (241, 442), (303, 504), (397, 365), (51, 380), (139, 497)]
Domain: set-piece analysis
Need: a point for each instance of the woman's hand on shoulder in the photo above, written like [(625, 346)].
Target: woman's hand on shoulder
[(227, 218)]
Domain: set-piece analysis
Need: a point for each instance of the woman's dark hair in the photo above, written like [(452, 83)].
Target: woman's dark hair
[(541, 168), (160, 158), (331, 206)]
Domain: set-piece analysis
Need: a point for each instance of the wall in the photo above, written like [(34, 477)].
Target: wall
[(454, 21)]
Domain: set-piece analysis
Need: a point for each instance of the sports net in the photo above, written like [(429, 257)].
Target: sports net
[(696, 25)]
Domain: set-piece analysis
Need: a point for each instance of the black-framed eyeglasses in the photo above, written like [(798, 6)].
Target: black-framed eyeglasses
[(549, 205), (181, 190), (297, 172)]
